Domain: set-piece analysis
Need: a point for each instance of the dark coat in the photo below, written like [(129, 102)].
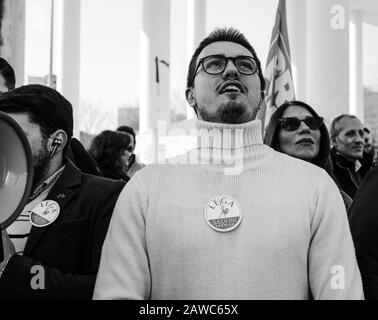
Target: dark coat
[(113, 175), (70, 248), (81, 158), (346, 177), (364, 226)]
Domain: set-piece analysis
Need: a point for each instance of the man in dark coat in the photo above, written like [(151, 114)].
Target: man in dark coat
[(364, 227), (52, 250), (347, 136)]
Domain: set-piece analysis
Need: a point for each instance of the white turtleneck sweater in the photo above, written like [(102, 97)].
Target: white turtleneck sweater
[(293, 240)]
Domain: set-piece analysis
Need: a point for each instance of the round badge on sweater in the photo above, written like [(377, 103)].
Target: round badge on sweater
[(223, 213), (44, 213)]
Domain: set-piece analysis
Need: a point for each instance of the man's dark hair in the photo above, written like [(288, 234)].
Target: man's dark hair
[(335, 132), (7, 72), (128, 130), (45, 107), (223, 34)]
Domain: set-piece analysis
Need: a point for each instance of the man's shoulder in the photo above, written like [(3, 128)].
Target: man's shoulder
[(74, 179), (152, 170), (97, 181), (98, 190), (282, 159)]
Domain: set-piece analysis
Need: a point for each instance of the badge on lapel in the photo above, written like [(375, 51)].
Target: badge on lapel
[(45, 213)]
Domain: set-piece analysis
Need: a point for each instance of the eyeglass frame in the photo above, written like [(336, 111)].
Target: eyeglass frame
[(320, 119), (196, 72)]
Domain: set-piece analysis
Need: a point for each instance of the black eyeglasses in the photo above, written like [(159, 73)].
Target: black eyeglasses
[(293, 123), (216, 64)]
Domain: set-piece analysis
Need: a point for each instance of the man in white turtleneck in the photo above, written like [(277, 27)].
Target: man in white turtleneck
[(275, 229)]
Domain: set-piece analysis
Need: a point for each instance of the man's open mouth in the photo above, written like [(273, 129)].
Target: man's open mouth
[(233, 87)]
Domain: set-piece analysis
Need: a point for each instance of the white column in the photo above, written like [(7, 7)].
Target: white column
[(154, 71), (328, 57), (13, 36), (196, 32), (356, 82), (296, 24), (68, 78)]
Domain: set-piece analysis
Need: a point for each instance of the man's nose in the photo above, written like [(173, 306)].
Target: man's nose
[(231, 70), (359, 139)]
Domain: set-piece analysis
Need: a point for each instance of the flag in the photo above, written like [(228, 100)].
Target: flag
[(278, 77)]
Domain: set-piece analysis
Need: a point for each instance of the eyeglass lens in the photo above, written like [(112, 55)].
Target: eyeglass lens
[(217, 64)]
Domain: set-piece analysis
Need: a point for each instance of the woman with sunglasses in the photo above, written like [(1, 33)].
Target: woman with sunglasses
[(297, 130)]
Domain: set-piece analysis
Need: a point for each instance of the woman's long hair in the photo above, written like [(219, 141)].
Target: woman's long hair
[(271, 135), (107, 149)]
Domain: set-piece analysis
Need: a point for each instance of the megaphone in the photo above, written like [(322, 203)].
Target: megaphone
[(16, 172)]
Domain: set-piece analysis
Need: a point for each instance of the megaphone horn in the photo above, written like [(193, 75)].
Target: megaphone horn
[(16, 172)]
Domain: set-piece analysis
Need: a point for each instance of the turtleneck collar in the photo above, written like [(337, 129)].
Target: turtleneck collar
[(230, 148), (229, 136)]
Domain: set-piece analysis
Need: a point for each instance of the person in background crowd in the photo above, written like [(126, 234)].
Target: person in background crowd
[(231, 219), (62, 227), (368, 156), (347, 137), (111, 150), (134, 163), (7, 76), (297, 130)]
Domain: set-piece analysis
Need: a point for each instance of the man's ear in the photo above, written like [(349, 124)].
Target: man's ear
[(334, 142), (58, 141), (190, 97)]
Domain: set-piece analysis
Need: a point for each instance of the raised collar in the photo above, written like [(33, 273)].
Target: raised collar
[(344, 162), (229, 148), (229, 136)]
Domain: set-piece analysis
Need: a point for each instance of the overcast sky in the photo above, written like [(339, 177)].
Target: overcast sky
[(110, 43)]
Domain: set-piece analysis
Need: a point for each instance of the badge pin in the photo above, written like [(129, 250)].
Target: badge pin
[(223, 213), (44, 213)]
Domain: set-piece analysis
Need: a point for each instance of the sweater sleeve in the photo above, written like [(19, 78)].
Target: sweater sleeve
[(333, 269), (124, 268)]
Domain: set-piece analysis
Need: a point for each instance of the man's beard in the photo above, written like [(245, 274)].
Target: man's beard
[(41, 165), (231, 112)]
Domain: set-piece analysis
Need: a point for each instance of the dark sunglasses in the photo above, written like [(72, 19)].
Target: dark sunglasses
[(293, 123)]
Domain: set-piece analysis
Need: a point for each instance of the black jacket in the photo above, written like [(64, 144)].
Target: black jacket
[(81, 158), (364, 228), (346, 178), (113, 175), (69, 249)]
